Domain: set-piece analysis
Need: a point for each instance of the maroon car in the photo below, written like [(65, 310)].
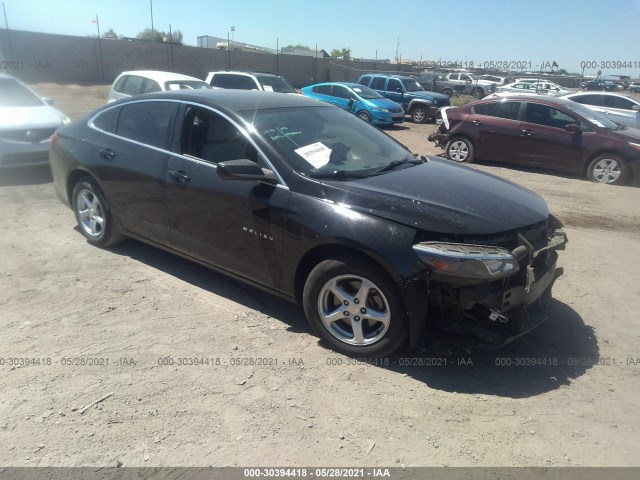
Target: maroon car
[(541, 131)]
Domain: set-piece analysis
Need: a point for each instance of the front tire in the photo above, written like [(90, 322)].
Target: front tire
[(419, 114), (607, 168), (93, 214), (364, 115), (478, 93), (355, 308), (461, 150)]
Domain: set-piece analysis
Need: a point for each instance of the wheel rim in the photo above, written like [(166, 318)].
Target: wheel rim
[(364, 116), (607, 170), (90, 212), (419, 114), (458, 151), (354, 310)]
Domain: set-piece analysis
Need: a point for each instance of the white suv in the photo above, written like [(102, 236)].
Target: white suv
[(266, 82), (137, 82)]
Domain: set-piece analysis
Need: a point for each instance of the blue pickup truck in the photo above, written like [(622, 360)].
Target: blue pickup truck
[(406, 91)]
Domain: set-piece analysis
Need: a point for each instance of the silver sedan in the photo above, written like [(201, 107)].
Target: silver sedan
[(26, 124)]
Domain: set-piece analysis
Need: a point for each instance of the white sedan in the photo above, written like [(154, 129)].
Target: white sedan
[(620, 108)]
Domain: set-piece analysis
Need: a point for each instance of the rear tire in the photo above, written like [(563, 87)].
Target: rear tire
[(607, 168), (355, 308), (478, 93), (461, 150), (93, 214)]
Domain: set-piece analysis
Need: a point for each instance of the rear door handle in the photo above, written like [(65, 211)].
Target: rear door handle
[(180, 176), (527, 132), (476, 122), (107, 153)]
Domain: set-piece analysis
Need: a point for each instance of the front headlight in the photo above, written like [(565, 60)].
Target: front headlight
[(378, 109), (467, 261), (66, 120)]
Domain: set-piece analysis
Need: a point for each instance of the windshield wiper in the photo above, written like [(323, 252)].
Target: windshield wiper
[(395, 163), (337, 175)]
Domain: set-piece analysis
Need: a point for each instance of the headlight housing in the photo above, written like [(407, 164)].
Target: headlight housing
[(467, 261), (378, 109)]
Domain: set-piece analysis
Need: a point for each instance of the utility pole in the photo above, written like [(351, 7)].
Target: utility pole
[(153, 35), (100, 63), (4, 10)]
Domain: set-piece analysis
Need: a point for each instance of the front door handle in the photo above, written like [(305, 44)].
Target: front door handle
[(180, 176), (107, 153), (476, 122), (527, 132)]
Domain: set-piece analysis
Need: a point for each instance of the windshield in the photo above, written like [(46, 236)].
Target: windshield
[(275, 84), (592, 116), (412, 85), (186, 85), (14, 94), (325, 140), (366, 92)]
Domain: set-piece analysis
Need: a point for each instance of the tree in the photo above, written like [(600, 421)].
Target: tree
[(160, 36), (344, 53), (110, 34), (298, 45)]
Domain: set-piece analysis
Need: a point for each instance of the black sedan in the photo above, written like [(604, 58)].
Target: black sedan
[(315, 205)]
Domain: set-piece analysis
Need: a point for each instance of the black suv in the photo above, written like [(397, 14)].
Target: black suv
[(406, 91)]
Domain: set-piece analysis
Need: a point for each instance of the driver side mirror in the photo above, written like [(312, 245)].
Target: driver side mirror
[(572, 128), (636, 108), (245, 169)]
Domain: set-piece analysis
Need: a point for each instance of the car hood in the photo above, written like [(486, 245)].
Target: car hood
[(443, 197), (630, 134), (429, 95), (382, 103), (42, 116)]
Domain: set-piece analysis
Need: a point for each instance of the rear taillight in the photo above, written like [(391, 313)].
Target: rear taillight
[(53, 139)]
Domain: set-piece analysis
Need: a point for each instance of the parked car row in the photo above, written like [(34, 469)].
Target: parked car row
[(542, 131)]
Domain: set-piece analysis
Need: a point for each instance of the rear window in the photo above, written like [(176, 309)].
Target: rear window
[(106, 121), (508, 110), (273, 83), (132, 85), (239, 82), (365, 80), (146, 122)]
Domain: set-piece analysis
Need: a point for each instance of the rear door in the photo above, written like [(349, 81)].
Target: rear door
[(496, 125), (131, 163), (544, 141), (236, 225)]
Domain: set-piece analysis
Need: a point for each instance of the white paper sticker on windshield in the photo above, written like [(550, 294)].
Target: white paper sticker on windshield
[(268, 88), (317, 154)]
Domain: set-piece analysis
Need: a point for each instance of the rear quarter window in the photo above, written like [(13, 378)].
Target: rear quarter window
[(106, 120)]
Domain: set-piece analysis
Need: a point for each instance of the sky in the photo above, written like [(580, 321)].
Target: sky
[(581, 36)]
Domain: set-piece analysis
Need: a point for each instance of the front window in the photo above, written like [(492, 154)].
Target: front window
[(275, 84), (325, 140), (14, 94), (367, 93), (598, 119), (548, 116)]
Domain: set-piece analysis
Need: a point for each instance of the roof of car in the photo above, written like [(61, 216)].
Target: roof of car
[(238, 72), (160, 76), (608, 94), (231, 99), (538, 98)]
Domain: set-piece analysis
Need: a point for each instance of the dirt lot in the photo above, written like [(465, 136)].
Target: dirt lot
[(134, 309)]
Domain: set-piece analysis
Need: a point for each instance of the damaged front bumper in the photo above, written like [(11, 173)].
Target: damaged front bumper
[(486, 296)]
